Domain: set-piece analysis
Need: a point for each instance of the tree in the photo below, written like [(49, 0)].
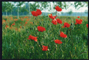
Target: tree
[(70, 12), (78, 4), (5, 7), (11, 6), (86, 11), (23, 9), (18, 6)]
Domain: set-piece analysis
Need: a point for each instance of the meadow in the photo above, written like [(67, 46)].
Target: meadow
[(15, 33)]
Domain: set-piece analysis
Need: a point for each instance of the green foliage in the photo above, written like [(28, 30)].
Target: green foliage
[(70, 12), (23, 9)]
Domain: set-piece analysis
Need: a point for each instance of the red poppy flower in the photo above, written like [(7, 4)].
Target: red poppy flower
[(13, 23), (79, 21), (6, 26), (34, 13), (78, 16), (54, 22), (58, 8), (25, 22), (52, 17), (27, 19), (63, 35), (38, 12), (33, 38), (4, 21), (59, 21), (45, 48), (87, 25), (57, 41), (66, 24), (20, 27), (41, 29)]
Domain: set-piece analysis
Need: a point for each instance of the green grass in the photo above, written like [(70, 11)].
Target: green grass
[(15, 44)]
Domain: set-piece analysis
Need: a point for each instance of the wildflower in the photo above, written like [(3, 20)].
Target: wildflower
[(41, 29), (66, 24), (13, 23), (4, 21), (52, 17), (59, 21), (27, 19), (57, 41), (87, 25), (33, 38), (25, 22), (38, 12), (58, 8), (54, 22), (34, 13), (63, 35), (31, 23), (78, 16), (79, 21), (6, 26), (45, 48), (20, 27)]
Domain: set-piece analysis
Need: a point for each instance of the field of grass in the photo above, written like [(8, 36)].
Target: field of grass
[(15, 43)]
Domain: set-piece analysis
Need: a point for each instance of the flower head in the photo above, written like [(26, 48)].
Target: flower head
[(58, 8), (52, 17), (38, 12), (33, 38), (54, 22), (87, 25), (45, 48), (41, 29), (66, 24), (78, 17), (34, 13), (79, 21), (63, 35), (59, 21), (57, 41)]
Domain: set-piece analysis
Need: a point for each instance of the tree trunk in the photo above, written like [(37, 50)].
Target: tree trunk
[(11, 12), (6, 13), (18, 12), (56, 14), (23, 13), (29, 10)]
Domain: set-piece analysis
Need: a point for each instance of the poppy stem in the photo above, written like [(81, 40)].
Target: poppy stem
[(38, 44), (56, 49), (56, 13), (35, 18)]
